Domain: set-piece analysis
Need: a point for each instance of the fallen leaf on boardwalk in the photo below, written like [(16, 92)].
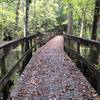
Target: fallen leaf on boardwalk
[(34, 82)]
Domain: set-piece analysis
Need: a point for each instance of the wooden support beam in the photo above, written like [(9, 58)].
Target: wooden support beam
[(5, 90)]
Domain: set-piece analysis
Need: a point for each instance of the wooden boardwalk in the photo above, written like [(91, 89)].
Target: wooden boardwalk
[(51, 75)]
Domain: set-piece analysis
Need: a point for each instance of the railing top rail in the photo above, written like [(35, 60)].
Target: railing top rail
[(84, 40), (17, 40)]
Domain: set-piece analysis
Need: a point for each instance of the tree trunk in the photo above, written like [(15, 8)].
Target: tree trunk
[(94, 54), (26, 32), (81, 32), (27, 18), (17, 14), (70, 20), (96, 19), (23, 14), (34, 15)]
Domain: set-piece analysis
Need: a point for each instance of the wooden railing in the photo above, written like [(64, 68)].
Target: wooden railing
[(86, 54), (5, 49), (27, 45)]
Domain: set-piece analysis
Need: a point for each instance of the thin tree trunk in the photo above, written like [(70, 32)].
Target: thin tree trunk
[(27, 58), (98, 29), (17, 14), (96, 19), (35, 22), (27, 18), (82, 26), (70, 20), (94, 54), (23, 14)]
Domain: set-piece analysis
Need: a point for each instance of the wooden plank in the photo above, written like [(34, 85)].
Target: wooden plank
[(15, 41), (51, 75)]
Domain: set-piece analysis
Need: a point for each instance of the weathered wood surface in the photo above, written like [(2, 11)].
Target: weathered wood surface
[(95, 45), (51, 75)]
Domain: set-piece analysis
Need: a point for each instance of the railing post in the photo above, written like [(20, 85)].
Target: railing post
[(98, 56), (40, 40), (22, 52), (78, 63), (34, 44), (45, 38), (30, 46), (98, 82), (27, 58), (78, 48), (22, 48), (98, 76), (93, 56), (69, 45), (3, 66), (5, 91)]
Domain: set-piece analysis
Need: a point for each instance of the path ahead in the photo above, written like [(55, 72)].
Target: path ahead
[(51, 75)]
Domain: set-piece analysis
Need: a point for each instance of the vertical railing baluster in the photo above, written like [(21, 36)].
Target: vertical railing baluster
[(3, 66), (30, 46), (78, 63), (78, 47), (22, 48), (69, 45), (22, 53), (27, 58), (98, 82), (98, 76), (34, 43), (5, 90)]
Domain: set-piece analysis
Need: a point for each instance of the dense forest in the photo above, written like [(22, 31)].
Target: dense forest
[(32, 23), (19, 18)]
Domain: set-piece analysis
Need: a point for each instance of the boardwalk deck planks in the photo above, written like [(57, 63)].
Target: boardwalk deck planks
[(51, 75)]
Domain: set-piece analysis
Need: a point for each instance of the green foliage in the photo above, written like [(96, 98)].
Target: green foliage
[(42, 17), (7, 19), (82, 11), (46, 15), (6, 1)]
